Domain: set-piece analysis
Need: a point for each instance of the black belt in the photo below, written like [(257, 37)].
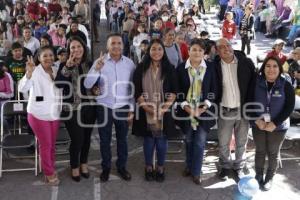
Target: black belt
[(230, 109)]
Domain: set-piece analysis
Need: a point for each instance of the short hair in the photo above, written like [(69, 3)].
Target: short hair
[(146, 42), (113, 35), (16, 45), (204, 33), (200, 42), (62, 26)]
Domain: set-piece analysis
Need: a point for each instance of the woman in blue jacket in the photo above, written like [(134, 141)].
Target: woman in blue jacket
[(276, 98), (197, 92)]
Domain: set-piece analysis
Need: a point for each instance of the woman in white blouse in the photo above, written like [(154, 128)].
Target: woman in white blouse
[(43, 108)]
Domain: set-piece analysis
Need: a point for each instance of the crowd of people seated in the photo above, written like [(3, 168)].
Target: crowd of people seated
[(159, 48)]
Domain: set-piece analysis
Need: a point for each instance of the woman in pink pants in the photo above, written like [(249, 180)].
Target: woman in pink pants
[(43, 108)]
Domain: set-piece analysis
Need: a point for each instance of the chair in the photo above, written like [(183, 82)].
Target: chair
[(17, 139), (292, 135)]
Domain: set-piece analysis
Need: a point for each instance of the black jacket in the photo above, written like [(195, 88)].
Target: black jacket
[(139, 127), (246, 78), (209, 92)]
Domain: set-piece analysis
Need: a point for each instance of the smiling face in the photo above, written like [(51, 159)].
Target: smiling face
[(170, 37), (271, 70), (115, 46), (156, 52), (46, 58), (225, 50), (76, 49), (196, 53)]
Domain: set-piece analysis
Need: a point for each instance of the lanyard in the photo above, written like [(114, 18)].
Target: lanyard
[(269, 95)]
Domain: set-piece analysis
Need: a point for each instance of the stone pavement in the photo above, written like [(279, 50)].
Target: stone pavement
[(24, 185)]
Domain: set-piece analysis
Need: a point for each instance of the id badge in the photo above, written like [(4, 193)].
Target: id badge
[(267, 117)]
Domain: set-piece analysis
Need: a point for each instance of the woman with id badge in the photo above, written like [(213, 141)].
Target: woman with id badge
[(276, 98), (197, 92), (155, 91)]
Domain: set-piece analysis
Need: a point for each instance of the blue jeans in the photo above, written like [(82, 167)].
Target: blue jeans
[(118, 118), (195, 146), (158, 143), (293, 33)]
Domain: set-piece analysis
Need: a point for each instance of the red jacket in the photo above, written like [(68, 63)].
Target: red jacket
[(279, 55), (228, 29), (33, 10), (184, 51)]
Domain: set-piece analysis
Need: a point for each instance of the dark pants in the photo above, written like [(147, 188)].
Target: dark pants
[(267, 144), (106, 118), (201, 6), (126, 50), (222, 12), (80, 136), (246, 42), (160, 145), (195, 146)]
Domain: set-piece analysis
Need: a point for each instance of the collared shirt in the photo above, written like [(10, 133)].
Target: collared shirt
[(231, 92), (116, 88), (32, 44), (187, 66)]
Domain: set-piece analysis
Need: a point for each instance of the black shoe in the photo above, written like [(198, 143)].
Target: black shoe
[(104, 176), (149, 175), (267, 185), (197, 180), (160, 176), (75, 178), (186, 172), (223, 175), (85, 175), (239, 173), (260, 179), (124, 174)]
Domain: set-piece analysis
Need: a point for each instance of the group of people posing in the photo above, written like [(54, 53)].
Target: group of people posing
[(156, 98)]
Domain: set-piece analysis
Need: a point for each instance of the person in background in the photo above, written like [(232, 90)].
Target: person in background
[(74, 31), (30, 42), (16, 63), (154, 77), (246, 29), (229, 27), (204, 35), (6, 85), (184, 49), (171, 47), (43, 108), (142, 35), (197, 91), (32, 9), (277, 51), (156, 33), (58, 36), (223, 8), (277, 98), (144, 47), (54, 7), (61, 55)]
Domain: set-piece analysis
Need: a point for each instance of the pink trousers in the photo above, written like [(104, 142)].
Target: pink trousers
[(46, 133)]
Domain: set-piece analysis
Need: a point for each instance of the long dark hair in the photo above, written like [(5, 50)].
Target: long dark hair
[(78, 39), (262, 68), (147, 60)]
